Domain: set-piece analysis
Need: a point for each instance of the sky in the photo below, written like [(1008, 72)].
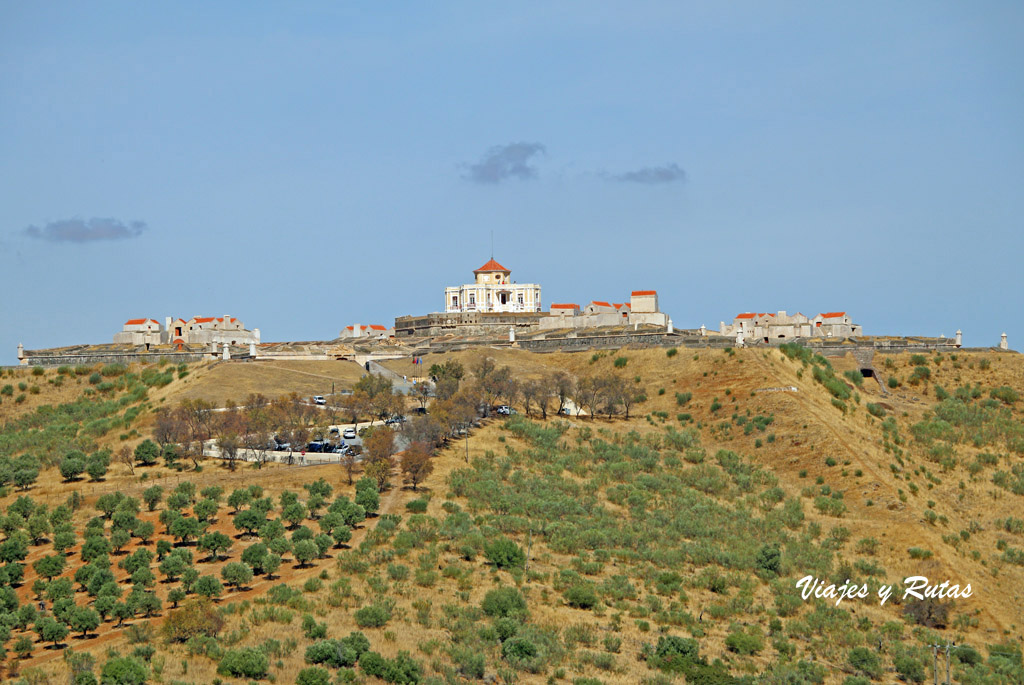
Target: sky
[(309, 165)]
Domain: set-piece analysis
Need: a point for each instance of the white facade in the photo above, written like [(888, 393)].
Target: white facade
[(493, 291)]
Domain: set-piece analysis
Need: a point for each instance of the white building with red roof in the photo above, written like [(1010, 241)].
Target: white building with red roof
[(371, 331), (493, 290), (642, 309), (199, 330), (769, 327)]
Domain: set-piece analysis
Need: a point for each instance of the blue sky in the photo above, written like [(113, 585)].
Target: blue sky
[(305, 166)]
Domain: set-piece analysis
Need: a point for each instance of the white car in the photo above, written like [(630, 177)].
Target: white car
[(319, 399), (349, 433)]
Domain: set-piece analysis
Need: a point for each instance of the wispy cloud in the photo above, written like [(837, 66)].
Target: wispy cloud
[(651, 175), (503, 162), (82, 231)]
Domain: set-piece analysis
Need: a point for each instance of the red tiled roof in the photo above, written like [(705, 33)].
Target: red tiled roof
[(378, 327), (565, 306), (349, 328), (179, 341), (203, 319), (490, 266), (747, 315), (230, 319), (136, 322), (833, 315), (637, 293), (600, 304)]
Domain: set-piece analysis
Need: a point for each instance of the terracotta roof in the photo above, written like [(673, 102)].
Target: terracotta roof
[(637, 293), (349, 328), (600, 304), (490, 266), (747, 315), (378, 327), (230, 319), (178, 341), (565, 306), (136, 322), (833, 315), (203, 319)]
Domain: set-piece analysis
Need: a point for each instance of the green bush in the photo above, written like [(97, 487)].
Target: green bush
[(620, 362), (746, 643), (911, 670), (247, 662), (865, 661), (372, 616), (876, 409), (314, 675), (504, 553), (504, 601), (674, 654), (124, 671), (581, 596), (402, 669), (416, 506)]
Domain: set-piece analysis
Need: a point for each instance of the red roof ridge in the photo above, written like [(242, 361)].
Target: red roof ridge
[(490, 266), (600, 304), (136, 322), (746, 315), (565, 306), (832, 315), (644, 292), (377, 327)]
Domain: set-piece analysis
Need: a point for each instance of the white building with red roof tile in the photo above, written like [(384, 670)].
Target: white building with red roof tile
[(642, 309), (199, 330), (769, 327), (493, 291), (371, 331)]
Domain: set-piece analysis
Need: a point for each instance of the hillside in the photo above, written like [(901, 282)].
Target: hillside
[(594, 549)]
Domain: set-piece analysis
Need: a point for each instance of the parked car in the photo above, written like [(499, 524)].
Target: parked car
[(349, 433), (392, 420), (420, 410), (319, 399), (504, 410), (316, 446)]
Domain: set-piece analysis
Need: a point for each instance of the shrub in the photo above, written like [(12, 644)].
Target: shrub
[(402, 669), (620, 362), (893, 382), (745, 643), (504, 601), (671, 352), (124, 670), (683, 398), (314, 675), (416, 506), (372, 616), (581, 596), (863, 660), (674, 654), (910, 669), (876, 409), (248, 662), (504, 553)]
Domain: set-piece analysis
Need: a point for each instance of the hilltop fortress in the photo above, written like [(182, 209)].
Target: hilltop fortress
[(491, 310)]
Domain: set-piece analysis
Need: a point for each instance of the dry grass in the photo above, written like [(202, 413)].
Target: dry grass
[(234, 381)]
